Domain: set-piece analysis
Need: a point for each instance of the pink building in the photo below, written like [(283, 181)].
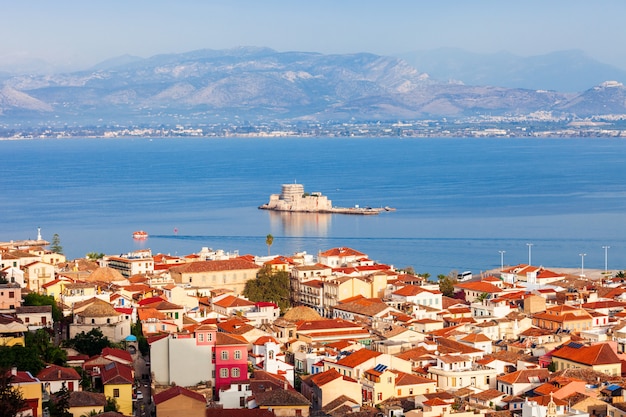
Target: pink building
[(10, 297), (230, 359)]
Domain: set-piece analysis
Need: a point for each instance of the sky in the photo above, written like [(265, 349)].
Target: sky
[(78, 33)]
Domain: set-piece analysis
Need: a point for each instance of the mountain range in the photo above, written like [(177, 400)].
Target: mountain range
[(261, 84)]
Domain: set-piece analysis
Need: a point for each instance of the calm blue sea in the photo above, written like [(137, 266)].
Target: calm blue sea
[(459, 201)]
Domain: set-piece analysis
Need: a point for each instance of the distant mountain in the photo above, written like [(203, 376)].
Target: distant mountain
[(260, 84), (565, 71)]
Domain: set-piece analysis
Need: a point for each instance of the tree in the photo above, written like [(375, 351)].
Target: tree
[(269, 239), (55, 244), (409, 270), (111, 405), (446, 285), (269, 285), (11, 399), (482, 297), (59, 404), (47, 351), (94, 256), (90, 343), (21, 357), (137, 331), (34, 299)]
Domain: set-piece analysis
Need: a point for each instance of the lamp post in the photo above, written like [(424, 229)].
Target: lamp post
[(582, 264), (530, 245), (502, 252), (606, 257)]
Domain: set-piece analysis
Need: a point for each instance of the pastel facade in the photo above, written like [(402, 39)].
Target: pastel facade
[(183, 359), (96, 313), (36, 274), (31, 390), (134, 263), (453, 372), (600, 357), (206, 275), (118, 382), (325, 387), (10, 297), (230, 360), (177, 401)]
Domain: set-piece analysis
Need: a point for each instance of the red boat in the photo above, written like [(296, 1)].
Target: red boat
[(140, 235)]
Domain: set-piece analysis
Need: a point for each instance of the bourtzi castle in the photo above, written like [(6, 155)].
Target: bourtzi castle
[(293, 198)]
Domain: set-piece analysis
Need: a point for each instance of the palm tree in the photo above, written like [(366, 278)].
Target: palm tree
[(269, 239)]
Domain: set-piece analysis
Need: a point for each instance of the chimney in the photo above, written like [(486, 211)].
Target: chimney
[(14, 370)]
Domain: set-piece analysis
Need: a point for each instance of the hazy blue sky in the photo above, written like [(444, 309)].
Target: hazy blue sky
[(86, 32)]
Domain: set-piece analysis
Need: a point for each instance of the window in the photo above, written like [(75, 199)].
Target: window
[(209, 337), (223, 373), (237, 354), (234, 372), (116, 393), (380, 396), (11, 294), (224, 355), (200, 337)]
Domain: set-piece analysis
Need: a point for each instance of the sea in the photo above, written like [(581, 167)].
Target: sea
[(462, 204)]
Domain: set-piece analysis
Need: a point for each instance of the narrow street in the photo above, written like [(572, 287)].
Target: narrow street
[(143, 405)]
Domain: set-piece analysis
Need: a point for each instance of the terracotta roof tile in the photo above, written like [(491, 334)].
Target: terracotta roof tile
[(170, 393), (357, 358), (600, 354)]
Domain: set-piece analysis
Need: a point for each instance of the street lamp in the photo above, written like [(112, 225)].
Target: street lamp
[(606, 249), (530, 245), (502, 252), (582, 264)]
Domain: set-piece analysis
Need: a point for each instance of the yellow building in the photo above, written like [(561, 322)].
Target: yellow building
[(205, 275), (118, 385), (177, 401), (564, 317), (381, 383), (600, 357), (84, 402), (12, 331), (31, 390)]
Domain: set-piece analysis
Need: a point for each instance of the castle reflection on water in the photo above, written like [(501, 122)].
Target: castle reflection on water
[(300, 224)]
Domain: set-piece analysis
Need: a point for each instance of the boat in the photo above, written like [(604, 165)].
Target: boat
[(140, 235)]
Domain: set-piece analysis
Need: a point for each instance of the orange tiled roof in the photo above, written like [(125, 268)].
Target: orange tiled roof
[(479, 286), (214, 266), (358, 357), (342, 252), (413, 290), (325, 377), (600, 354), (475, 337), (175, 392), (525, 376), (232, 301)]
